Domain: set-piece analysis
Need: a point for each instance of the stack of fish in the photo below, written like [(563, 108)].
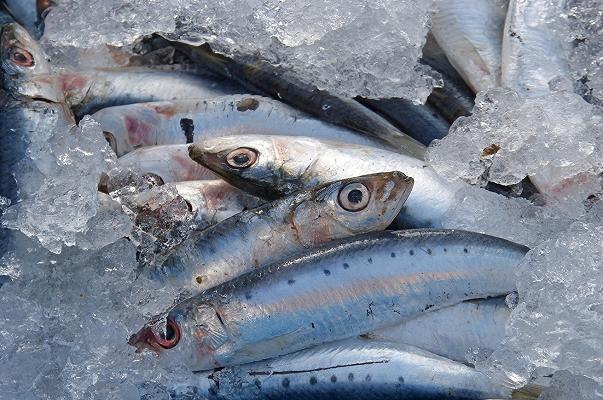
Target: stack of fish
[(305, 234)]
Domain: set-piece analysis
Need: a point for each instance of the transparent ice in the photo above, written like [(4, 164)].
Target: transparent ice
[(348, 47)]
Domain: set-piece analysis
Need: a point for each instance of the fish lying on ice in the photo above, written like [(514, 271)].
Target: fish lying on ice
[(287, 226), (284, 164), (341, 290), (185, 121), (29, 13), (470, 33), (351, 369)]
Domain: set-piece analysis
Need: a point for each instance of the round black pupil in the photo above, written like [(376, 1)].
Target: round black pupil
[(241, 158), (355, 196), (169, 332), (20, 57)]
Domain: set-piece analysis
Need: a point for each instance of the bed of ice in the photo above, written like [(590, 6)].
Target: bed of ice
[(71, 292)]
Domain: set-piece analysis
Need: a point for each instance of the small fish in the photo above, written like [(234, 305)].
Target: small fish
[(287, 226), (29, 13), (284, 164), (170, 163), (354, 370), (533, 52), (185, 121), (353, 286), (276, 82), (470, 33), (454, 332)]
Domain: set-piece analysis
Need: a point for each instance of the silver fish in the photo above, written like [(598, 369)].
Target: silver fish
[(170, 163), (28, 13), (454, 332), (284, 164), (351, 369), (185, 121), (287, 226), (470, 33), (533, 53), (345, 289)]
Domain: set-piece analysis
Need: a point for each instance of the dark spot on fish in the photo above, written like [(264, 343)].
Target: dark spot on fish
[(291, 281), (368, 378), (515, 35), (188, 128), (445, 249), (313, 380), (412, 252), (199, 280), (393, 255), (401, 379), (465, 250), (285, 382), (428, 306), (247, 104), (370, 260), (327, 272), (351, 377), (258, 383), (428, 251), (312, 325), (248, 296), (490, 150), (346, 265), (333, 378)]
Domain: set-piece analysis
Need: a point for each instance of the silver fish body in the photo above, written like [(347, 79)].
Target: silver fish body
[(470, 33), (171, 163), (185, 121), (533, 53), (351, 369), (285, 164), (28, 13), (287, 226), (348, 288), (454, 332), (89, 91)]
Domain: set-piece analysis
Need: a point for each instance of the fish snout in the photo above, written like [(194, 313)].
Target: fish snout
[(148, 338)]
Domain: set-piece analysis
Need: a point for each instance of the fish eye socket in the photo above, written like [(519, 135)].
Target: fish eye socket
[(22, 57), (171, 336), (241, 158), (354, 197)]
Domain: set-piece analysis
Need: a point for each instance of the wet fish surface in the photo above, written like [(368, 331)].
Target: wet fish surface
[(285, 164), (185, 121), (273, 81), (454, 332), (470, 33), (348, 288), (287, 226), (352, 369)]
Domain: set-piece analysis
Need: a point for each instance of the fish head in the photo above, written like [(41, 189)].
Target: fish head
[(43, 7), (21, 55), (265, 166), (192, 333), (352, 206)]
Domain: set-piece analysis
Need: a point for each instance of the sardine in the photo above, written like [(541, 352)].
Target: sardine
[(348, 288), (170, 163), (354, 370), (276, 82), (470, 33), (454, 99), (286, 164), (533, 53), (185, 121), (454, 332), (21, 57), (287, 226), (29, 13)]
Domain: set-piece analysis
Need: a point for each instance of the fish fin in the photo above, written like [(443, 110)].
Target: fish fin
[(530, 391)]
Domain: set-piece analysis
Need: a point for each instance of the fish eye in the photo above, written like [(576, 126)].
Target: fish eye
[(21, 57), (242, 157), (171, 336), (354, 197)]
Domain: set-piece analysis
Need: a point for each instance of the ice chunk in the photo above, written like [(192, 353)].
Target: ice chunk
[(565, 386), (558, 322), (65, 162), (556, 139), (347, 47)]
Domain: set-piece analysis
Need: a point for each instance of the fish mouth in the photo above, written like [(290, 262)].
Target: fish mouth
[(148, 338)]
